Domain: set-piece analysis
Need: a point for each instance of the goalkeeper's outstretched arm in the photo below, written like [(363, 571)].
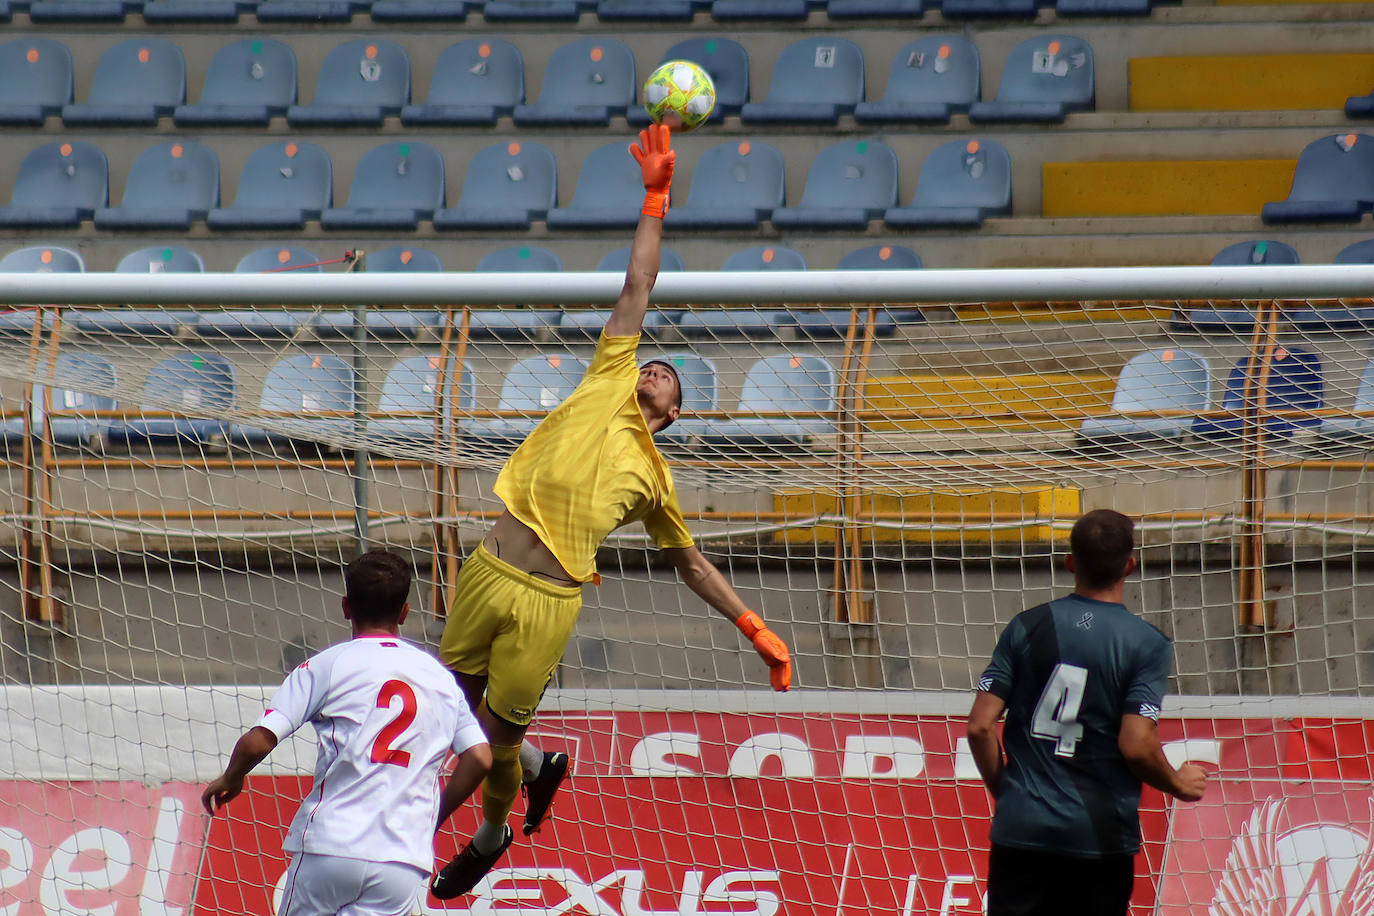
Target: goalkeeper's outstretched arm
[(655, 156), (702, 577)]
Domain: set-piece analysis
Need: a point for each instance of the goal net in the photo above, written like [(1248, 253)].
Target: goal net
[(887, 484)]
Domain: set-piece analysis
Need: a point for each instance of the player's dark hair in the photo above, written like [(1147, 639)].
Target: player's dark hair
[(677, 378), (376, 585), (1102, 542)]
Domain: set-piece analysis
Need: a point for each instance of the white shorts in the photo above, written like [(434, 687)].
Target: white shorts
[(327, 885)]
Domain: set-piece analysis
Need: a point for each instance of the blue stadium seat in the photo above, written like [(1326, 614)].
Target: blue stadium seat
[(282, 185), (473, 82), (520, 259), (1171, 379), (700, 391), (1358, 253), (531, 11), (169, 186), (850, 183), (1208, 319), (735, 185), (392, 324), (814, 82), (1360, 106), (534, 383), (249, 82), (961, 183), (59, 185), (306, 384), (1354, 430), (42, 259), (733, 324), (160, 11), (1044, 79), (396, 185), (135, 83), (787, 381), (778, 10), (126, 322), (77, 380), (262, 323), (586, 82), (81, 10), (410, 387), (1294, 383), (158, 259), (310, 11), (37, 76), (1262, 252), (609, 195), (881, 257), (583, 323), (724, 60), (275, 258), (188, 382), (645, 10), (515, 323), (619, 261), (834, 323), (1334, 182), (875, 9), (507, 185), (422, 10), (765, 257), (402, 259), (1103, 7), (991, 9), (931, 79), (362, 82)]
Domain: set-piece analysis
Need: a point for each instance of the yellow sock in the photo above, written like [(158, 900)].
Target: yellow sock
[(502, 783)]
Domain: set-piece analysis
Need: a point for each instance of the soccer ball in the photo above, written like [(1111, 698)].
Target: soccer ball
[(679, 94)]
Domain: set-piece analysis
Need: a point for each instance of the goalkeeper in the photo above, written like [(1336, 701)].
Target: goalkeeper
[(590, 467)]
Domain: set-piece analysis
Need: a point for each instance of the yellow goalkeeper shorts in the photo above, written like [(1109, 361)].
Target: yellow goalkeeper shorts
[(510, 626)]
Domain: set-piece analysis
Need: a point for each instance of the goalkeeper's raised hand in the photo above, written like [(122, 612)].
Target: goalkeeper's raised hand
[(656, 157), (770, 647)]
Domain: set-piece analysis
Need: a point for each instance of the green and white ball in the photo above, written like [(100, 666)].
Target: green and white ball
[(679, 94)]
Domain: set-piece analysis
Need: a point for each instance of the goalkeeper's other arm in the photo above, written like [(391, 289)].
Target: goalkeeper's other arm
[(251, 750), (702, 577)]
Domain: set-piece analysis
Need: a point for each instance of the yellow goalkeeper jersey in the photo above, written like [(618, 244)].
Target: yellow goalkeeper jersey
[(591, 466)]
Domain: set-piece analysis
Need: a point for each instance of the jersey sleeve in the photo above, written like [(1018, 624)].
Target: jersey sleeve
[(1001, 670), (1145, 695), (666, 526), (467, 733), (614, 358), (294, 703)]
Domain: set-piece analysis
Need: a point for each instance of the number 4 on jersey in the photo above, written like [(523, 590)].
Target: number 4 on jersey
[(1056, 713)]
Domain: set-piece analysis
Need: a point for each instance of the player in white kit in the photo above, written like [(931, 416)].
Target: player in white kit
[(386, 714)]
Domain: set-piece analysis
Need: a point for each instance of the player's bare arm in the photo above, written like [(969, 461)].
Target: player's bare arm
[(1140, 745), (656, 157), (702, 577), (983, 741), (473, 766), (251, 750)]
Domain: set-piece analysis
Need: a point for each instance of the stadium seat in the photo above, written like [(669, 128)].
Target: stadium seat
[(303, 383), (1262, 252), (402, 259), (534, 383), (724, 60), (834, 323), (1044, 79), (396, 185), (1208, 319), (59, 185), (875, 9), (134, 322), (189, 382), (410, 387), (733, 324), (735, 185), (587, 323), (881, 257), (1360, 106), (392, 324), (520, 259), (276, 258), (77, 378), (1333, 182), (645, 10), (1102, 7), (42, 259), (506, 187), (531, 11), (849, 183), (135, 83), (474, 82), (362, 82), (309, 11), (779, 10), (1294, 383), (1354, 430), (515, 323), (586, 82), (80, 10), (422, 10), (700, 391), (282, 185), (765, 257), (619, 261), (610, 192), (991, 9), (158, 259), (261, 323), (814, 82), (961, 183), (788, 381), (931, 79), (249, 82), (161, 11), (37, 76), (1162, 380), (1358, 253), (169, 186)]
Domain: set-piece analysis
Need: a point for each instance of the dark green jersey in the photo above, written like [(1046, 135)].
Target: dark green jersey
[(1068, 671)]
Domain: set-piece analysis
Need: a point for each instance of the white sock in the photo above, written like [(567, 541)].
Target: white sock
[(489, 838), (531, 761)]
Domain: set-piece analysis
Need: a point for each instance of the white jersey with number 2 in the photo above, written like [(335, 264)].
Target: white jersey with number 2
[(386, 713)]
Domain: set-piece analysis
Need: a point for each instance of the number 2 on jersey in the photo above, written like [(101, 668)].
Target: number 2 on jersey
[(382, 751), (1056, 713)]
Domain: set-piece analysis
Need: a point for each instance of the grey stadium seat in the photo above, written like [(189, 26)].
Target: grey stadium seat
[(278, 258), (507, 185), (37, 76), (520, 259), (609, 195), (396, 185), (169, 186), (1261, 252), (734, 185), (1044, 79), (157, 259), (724, 60), (309, 11), (515, 323), (303, 384), (583, 323), (81, 10), (42, 259), (77, 377), (158, 11), (531, 11), (410, 387), (135, 83), (473, 82), (875, 9), (931, 79), (814, 82), (961, 182), (59, 184), (282, 185), (422, 10), (190, 383), (362, 82), (402, 259), (717, 324), (849, 183), (585, 82), (1333, 182), (834, 323), (1156, 380), (249, 82), (535, 383), (787, 381)]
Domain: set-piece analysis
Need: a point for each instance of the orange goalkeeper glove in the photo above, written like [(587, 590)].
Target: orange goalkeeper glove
[(655, 156), (770, 648)]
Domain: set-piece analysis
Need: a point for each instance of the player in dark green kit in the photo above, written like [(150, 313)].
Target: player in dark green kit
[(1081, 680)]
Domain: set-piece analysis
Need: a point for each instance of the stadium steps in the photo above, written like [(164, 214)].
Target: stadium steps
[(1167, 187)]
